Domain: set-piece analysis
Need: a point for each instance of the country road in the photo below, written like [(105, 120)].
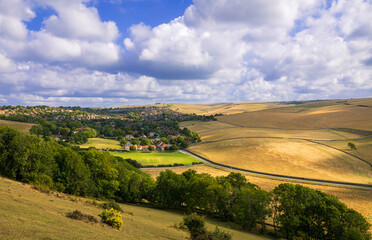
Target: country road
[(284, 177)]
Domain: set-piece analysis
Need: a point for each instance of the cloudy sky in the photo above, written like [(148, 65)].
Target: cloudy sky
[(125, 52)]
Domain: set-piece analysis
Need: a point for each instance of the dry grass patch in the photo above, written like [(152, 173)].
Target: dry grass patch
[(334, 115), (101, 143), (23, 127), (28, 214), (238, 132), (288, 157)]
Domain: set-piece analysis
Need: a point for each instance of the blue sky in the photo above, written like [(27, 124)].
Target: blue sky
[(125, 52)]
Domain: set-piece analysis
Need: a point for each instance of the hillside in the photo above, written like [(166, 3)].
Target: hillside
[(21, 126), (25, 213)]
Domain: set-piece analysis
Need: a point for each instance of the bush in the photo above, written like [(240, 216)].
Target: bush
[(111, 204), (195, 224), (112, 217), (81, 216)]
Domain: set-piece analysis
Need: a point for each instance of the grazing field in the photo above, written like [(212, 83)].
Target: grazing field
[(359, 200), (157, 158), (23, 127), (101, 143), (238, 132), (198, 126), (28, 214), (364, 147), (327, 114), (288, 157), (222, 108)]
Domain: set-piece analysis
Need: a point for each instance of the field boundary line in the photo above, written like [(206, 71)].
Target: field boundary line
[(285, 177)]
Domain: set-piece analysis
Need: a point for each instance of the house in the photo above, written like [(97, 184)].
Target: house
[(146, 148), (160, 146), (129, 136), (127, 146), (143, 136)]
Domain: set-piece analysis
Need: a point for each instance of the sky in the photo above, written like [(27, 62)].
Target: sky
[(128, 52)]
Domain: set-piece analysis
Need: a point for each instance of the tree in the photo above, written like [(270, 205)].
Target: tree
[(132, 148), (195, 224), (352, 146)]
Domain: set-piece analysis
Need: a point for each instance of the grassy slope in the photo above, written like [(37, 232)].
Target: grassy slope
[(23, 127), (156, 158), (331, 114), (222, 108), (28, 214), (101, 143), (288, 157), (360, 200)]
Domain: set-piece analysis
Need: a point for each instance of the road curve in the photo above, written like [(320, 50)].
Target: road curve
[(284, 177)]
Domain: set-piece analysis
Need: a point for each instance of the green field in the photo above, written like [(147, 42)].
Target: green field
[(28, 214), (23, 127), (101, 143), (157, 158)]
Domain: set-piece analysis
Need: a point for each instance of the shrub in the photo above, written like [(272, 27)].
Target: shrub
[(81, 216), (111, 204), (195, 224), (112, 217)]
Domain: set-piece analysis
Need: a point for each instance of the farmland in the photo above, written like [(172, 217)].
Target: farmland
[(23, 127), (101, 143), (157, 158), (28, 214), (222, 108)]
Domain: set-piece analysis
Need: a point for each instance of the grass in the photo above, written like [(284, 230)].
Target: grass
[(28, 214), (23, 127), (364, 147), (157, 158), (288, 157), (222, 108), (359, 200), (101, 143), (236, 132), (329, 114)]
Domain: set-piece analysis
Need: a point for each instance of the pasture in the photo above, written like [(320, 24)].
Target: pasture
[(319, 115), (360, 200), (23, 127), (222, 108), (101, 143), (28, 214), (238, 132), (287, 157), (157, 158)]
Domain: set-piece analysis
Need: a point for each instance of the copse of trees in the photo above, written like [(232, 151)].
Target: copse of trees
[(300, 212)]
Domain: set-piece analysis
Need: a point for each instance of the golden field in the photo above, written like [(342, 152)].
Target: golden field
[(101, 143), (287, 157), (222, 108), (28, 214), (319, 115), (23, 127)]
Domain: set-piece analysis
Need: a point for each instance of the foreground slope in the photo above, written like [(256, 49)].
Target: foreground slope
[(28, 214)]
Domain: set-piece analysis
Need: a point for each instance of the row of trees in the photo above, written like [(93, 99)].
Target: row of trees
[(299, 211)]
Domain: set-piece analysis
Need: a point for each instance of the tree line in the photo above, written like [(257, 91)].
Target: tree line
[(298, 211)]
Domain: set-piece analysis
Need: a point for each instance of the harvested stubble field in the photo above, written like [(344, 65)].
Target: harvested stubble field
[(287, 157), (239, 132), (101, 143), (25, 213), (328, 114), (359, 200), (23, 127), (156, 158), (222, 108)]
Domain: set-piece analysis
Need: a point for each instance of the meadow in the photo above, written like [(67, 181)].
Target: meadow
[(23, 127), (222, 108), (26, 213), (101, 143), (287, 157), (318, 115), (157, 158)]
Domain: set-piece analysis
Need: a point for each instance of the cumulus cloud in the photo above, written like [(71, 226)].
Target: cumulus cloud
[(218, 51)]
